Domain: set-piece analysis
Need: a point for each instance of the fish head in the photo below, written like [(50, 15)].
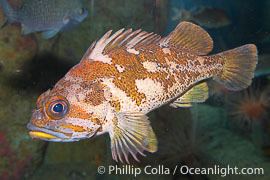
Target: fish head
[(73, 14), (57, 118), (74, 18), (78, 14)]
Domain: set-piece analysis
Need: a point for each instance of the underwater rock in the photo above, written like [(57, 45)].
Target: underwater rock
[(179, 142), (85, 151), (2, 18), (223, 146), (1, 66), (15, 48), (19, 155), (79, 160)]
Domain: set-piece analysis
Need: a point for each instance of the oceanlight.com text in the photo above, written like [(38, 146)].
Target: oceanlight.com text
[(178, 169)]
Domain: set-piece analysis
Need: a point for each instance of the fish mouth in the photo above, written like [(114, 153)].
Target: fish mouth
[(48, 135)]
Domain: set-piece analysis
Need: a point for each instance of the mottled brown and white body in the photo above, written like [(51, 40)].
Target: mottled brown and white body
[(125, 75)]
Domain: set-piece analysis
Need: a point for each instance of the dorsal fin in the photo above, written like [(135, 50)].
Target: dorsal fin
[(191, 37), (128, 39)]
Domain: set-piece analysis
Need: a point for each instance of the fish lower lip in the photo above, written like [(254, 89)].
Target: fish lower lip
[(45, 134), (41, 135)]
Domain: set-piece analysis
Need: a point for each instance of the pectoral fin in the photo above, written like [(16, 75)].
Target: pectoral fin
[(131, 133), (49, 34), (196, 94)]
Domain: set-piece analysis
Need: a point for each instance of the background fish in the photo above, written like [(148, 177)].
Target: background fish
[(125, 75), (205, 16), (47, 16)]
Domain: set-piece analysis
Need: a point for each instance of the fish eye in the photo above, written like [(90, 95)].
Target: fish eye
[(58, 108)]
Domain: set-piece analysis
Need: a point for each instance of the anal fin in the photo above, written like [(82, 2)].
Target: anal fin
[(197, 94)]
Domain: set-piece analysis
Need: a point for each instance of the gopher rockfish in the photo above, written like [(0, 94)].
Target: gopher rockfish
[(125, 75)]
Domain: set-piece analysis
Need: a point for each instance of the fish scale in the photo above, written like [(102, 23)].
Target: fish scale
[(193, 72)]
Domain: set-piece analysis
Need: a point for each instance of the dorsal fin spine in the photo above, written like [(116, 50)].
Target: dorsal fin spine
[(126, 39)]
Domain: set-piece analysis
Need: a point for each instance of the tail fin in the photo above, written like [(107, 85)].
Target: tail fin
[(239, 67), (9, 12)]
